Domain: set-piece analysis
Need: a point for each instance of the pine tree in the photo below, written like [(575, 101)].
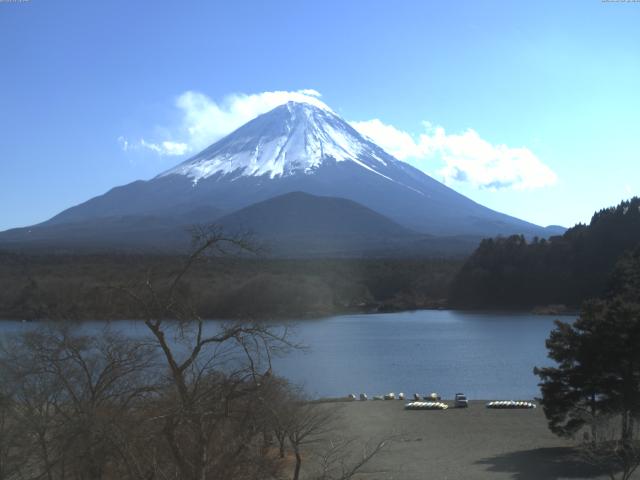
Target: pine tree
[(596, 380)]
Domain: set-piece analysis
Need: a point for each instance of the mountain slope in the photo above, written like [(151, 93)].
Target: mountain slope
[(140, 233), (294, 225), (299, 147), (300, 224), (295, 147), (302, 214)]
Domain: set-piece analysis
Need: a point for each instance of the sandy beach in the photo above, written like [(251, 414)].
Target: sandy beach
[(465, 443)]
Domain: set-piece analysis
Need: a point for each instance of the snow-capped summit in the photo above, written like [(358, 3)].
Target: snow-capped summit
[(292, 138), (296, 147)]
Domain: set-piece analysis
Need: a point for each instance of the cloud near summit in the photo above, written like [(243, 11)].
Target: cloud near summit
[(460, 157), (465, 157), (204, 121)]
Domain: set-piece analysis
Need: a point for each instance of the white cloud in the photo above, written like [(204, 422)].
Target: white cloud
[(398, 143), (206, 121), (466, 157), (166, 147), (162, 148), (310, 92), (462, 157), (124, 143)]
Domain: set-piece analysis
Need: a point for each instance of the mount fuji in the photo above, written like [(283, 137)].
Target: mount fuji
[(296, 147)]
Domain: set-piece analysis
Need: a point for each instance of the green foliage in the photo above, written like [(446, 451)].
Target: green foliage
[(598, 360), (514, 273)]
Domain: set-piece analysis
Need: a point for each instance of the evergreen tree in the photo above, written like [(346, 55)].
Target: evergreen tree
[(514, 273), (597, 376)]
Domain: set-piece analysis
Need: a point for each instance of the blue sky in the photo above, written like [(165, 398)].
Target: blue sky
[(532, 107)]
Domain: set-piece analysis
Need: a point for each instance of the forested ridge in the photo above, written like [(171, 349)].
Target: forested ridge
[(89, 286), (505, 273), (565, 270)]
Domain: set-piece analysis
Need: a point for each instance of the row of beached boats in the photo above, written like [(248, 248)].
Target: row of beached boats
[(507, 404), (426, 406), (433, 401), (432, 397), (510, 404)]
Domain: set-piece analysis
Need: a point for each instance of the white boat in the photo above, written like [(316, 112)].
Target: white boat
[(426, 406)]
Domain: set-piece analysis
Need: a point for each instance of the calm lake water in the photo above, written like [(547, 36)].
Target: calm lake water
[(485, 355)]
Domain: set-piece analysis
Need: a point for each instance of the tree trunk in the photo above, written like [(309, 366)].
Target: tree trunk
[(594, 432), (169, 435), (296, 473), (204, 458), (625, 428), (45, 454)]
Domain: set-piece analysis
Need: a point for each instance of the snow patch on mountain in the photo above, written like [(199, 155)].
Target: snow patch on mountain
[(293, 138)]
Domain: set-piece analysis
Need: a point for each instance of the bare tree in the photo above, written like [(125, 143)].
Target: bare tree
[(11, 435), (215, 374), (72, 396), (337, 463), (192, 399), (307, 423), (271, 413), (608, 449), (309, 429)]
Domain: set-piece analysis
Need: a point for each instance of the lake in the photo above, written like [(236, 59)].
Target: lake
[(485, 355)]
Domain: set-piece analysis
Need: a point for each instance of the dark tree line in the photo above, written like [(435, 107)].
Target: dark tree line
[(515, 273), (76, 286)]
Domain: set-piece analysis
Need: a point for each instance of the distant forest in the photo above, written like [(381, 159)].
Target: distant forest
[(503, 273), (564, 270), (90, 286)]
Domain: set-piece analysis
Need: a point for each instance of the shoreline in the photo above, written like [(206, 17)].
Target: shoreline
[(541, 311), (473, 443), (448, 401)]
